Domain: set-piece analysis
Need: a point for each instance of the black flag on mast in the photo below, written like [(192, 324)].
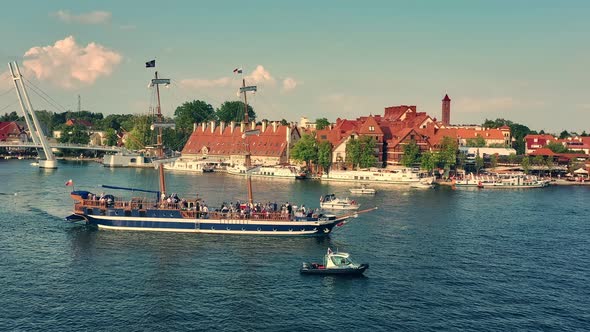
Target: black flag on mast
[(151, 63)]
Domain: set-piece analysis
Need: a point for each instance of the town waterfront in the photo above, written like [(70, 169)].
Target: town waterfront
[(439, 259)]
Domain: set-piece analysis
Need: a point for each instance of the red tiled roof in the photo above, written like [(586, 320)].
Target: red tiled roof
[(9, 129), (367, 125), (73, 122), (541, 136), (543, 152), (495, 134), (268, 143)]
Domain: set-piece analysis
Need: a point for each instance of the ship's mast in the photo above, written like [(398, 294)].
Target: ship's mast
[(247, 133), (160, 124)]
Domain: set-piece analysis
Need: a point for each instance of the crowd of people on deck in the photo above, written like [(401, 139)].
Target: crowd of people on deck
[(241, 209)]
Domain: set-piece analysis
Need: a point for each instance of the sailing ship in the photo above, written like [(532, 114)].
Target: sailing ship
[(171, 213)]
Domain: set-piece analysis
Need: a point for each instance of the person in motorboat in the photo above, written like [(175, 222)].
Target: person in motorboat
[(335, 263)]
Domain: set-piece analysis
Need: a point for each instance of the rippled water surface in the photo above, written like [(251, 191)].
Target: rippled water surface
[(439, 260)]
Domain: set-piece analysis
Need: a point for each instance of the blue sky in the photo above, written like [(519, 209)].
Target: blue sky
[(526, 61)]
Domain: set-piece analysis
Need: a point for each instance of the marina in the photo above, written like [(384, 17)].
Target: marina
[(280, 151), (452, 252)]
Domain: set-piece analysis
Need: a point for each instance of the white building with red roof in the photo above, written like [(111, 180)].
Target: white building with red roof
[(227, 143)]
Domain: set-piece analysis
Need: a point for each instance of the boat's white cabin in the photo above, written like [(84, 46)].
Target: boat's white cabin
[(338, 260)]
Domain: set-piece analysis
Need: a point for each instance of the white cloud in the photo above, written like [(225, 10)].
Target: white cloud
[(94, 17), (260, 75), (289, 84), (68, 64)]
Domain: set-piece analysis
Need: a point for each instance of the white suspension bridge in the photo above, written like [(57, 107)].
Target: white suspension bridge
[(27, 145), (39, 141)]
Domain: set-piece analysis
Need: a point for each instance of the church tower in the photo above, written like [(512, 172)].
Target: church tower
[(446, 110)]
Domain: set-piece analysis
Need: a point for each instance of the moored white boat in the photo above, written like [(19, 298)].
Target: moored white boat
[(190, 165), (515, 181), (424, 183), (277, 171), (126, 159), (362, 191), (396, 176)]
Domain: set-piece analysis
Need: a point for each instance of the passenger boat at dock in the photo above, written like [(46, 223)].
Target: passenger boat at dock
[(515, 181), (395, 176), (277, 171), (501, 181), (171, 213)]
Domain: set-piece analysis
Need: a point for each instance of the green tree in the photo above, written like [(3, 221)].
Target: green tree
[(141, 135), (564, 134), (550, 165), (367, 157), (461, 158), (538, 161), (556, 147), (494, 160), (111, 137), (116, 122), (321, 123), (411, 154), (478, 163), (427, 161), (74, 134), (46, 119), (186, 115), (476, 142), (353, 152), (306, 150), (525, 164), (234, 111), (512, 158), (325, 155), (284, 122), (447, 155), (517, 131), (11, 117)]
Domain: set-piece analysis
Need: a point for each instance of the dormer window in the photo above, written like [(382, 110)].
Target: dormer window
[(371, 128)]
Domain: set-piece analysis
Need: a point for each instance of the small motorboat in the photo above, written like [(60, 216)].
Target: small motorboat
[(331, 202), (335, 263), (424, 183), (362, 191)]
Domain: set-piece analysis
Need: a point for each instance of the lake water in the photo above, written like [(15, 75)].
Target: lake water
[(439, 260)]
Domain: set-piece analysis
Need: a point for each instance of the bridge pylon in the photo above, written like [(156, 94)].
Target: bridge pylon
[(30, 118)]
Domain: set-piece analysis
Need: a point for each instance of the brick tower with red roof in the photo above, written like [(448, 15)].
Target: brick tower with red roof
[(446, 110)]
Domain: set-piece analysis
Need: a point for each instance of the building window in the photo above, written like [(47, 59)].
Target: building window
[(371, 128)]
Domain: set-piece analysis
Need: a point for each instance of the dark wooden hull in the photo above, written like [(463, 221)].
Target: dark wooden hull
[(349, 272)]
